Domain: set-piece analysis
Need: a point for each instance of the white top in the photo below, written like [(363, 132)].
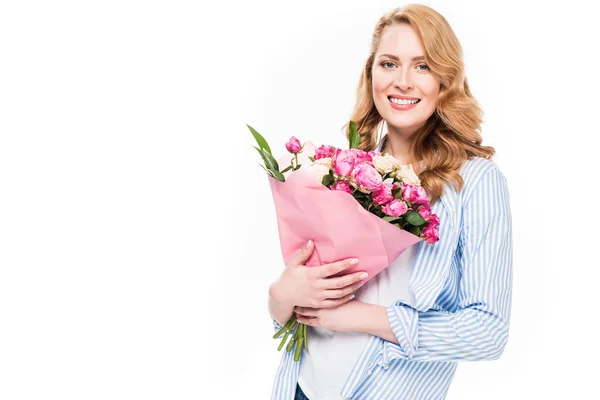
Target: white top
[(331, 355)]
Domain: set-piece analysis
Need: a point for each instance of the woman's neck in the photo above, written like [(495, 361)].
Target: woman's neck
[(397, 150)]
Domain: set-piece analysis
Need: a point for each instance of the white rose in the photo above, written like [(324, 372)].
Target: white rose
[(321, 167), (320, 171), (326, 161), (407, 175), (385, 164)]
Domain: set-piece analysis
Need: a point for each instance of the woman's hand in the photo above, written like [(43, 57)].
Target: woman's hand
[(304, 286), (343, 318)]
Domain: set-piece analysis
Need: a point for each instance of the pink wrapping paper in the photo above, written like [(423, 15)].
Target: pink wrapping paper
[(339, 226)]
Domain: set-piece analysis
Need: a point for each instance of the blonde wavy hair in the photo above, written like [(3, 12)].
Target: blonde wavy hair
[(452, 134)]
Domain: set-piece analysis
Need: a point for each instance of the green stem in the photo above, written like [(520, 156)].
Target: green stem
[(287, 326), (298, 349), (305, 337), (294, 338)]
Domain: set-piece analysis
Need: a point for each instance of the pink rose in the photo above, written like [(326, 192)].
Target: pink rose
[(395, 208), (361, 156), (324, 151), (431, 234), (384, 194), (409, 192), (293, 145), (425, 212), (434, 220), (415, 194), (342, 186), (344, 162), (422, 197), (367, 177)]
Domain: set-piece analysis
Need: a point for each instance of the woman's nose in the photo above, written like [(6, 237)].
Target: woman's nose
[(403, 81)]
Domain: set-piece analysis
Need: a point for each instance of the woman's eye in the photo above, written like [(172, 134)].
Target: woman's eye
[(423, 65), (386, 62)]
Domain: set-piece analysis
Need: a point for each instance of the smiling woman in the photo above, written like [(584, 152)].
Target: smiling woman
[(402, 81), (403, 334)]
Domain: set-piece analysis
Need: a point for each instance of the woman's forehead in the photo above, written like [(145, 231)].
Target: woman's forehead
[(401, 41)]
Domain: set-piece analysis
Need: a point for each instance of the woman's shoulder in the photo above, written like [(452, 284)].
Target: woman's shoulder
[(476, 171)]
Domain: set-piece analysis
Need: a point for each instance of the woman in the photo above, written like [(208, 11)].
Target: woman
[(395, 341)]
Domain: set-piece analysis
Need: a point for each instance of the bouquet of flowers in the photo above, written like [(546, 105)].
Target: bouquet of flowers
[(351, 203)]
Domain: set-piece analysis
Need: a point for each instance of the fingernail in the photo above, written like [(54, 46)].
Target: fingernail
[(360, 284), (309, 243), (354, 261), (363, 275)]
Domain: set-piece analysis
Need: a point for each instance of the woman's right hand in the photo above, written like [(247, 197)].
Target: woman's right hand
[(312, 287)]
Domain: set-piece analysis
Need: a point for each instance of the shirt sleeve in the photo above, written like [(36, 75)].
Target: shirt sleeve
[(276, 325), (478, 328)]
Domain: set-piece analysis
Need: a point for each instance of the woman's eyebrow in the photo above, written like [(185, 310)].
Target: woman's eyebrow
[(393, 57)]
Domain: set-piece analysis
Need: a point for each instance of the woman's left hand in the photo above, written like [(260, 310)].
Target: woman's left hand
[(346, 317)]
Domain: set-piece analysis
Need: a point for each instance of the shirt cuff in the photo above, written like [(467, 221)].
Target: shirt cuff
[(404, 321), (276, 325)]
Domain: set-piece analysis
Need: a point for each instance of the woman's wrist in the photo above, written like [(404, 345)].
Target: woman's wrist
[(279, 307)]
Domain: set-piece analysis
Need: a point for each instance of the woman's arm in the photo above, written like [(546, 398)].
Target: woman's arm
[(279, 311), (478, 330)]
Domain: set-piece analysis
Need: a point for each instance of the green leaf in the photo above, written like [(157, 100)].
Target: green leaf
[(311, 158), (262, 155), (270, 161), (266, 170), (414, 218), (415, 230), (391, 219), (397, 192), (353, 136), (259, 139), (287, 169), (278, 175), (327, 180)]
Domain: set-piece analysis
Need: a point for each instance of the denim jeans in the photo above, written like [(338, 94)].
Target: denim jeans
[(300, 394)]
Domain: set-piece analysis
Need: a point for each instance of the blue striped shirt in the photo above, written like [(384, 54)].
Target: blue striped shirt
[(462, 287)]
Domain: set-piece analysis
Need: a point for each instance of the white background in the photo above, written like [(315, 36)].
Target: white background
[(137, 232)]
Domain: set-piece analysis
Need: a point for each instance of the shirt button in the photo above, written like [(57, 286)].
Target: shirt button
[(386, 366)]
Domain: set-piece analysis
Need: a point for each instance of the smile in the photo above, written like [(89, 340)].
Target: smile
[(398, 104)]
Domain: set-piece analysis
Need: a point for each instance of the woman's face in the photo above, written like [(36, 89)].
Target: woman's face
[(399, 72)]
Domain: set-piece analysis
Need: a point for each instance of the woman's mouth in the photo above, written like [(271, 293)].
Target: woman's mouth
[(401, 104)]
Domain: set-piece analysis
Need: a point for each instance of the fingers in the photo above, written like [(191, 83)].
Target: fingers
[(340, 293), (343, 281), (331, 269), (330, 303), (306, 311), (303, 254)]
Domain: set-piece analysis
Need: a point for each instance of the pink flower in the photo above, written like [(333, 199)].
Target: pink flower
[(384, 194), (422, 198), (425, 212), (343, 186), (367, 177), (293, 145), (415, 194), (344, 162), (361, 156), (395, 208), (434, 220), (431, 234), (324, 151)]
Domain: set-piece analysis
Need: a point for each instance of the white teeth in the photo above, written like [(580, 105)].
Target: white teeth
[(403, 102)]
